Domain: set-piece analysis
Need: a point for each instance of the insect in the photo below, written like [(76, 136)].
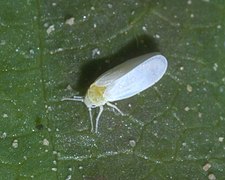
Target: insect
[(121, 82)]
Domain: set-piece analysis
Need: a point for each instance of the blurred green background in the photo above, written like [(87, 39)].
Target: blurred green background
[(55, 49)]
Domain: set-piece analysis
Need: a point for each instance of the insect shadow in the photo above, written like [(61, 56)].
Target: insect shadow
[(93, 69)]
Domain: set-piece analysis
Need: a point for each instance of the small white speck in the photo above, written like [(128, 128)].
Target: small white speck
[(189, 88), (15, 143), (3, 136), (129, 105), (95, 52), (57, 50), (70, 169), (144, 28), (157, 36), (184, 144), (5, 115), (48, 109), (54, 152), (218, 26), (80, 167), (54, 4), (69, 177), (132, 143), (45, 142), (215, 66), (206, 167), (70, 21), (54, 162), (187, 108), (110, 6), (95, 25), (34, 102), (69, 88), (46, 25), (221, 139), (192, 15), (84, 17), (54, 169), (92, 8), (181, 68), (50, 29), (189, 2), (199, 115), (212, 177), (31, 51)]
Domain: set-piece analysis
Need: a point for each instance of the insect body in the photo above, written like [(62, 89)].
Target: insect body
[(123, 81)]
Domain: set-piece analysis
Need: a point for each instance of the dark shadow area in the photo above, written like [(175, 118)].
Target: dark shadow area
[(38, 122), (93, 69)]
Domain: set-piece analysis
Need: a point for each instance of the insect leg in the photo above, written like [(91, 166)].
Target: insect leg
[(91, 119), (98, 117), (115, 107)]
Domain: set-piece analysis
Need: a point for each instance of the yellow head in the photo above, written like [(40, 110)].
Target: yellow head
[(95, 96)]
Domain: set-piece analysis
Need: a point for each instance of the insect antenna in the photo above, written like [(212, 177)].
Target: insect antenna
[(74, 98)]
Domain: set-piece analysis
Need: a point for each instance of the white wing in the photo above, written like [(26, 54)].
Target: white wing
[(132, 77)]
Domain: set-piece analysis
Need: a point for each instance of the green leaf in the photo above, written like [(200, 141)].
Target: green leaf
[(55, 49)]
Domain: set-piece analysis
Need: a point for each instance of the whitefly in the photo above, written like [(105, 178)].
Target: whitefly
[(121, 82)]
